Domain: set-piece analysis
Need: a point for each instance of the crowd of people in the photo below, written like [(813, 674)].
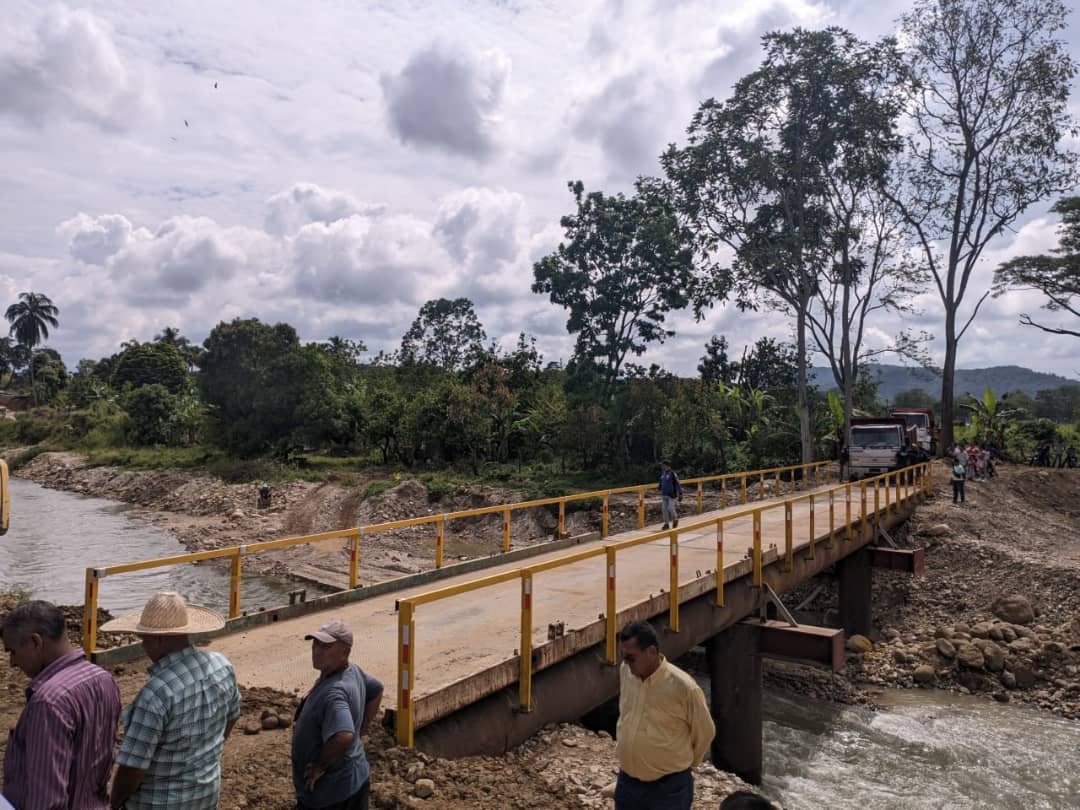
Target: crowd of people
[(62, 752), (1054, 455)]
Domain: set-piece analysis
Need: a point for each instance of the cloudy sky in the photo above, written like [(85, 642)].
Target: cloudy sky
[(336, 164)]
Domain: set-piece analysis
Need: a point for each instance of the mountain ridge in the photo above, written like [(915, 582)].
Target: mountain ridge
[(892, 380)]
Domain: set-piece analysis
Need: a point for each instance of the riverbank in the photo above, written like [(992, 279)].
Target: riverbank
[(997, 612)]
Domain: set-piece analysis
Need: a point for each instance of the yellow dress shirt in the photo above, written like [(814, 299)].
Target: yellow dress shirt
[(664, 724)]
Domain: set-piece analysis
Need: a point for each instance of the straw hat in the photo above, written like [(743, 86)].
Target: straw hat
[(166, 614)]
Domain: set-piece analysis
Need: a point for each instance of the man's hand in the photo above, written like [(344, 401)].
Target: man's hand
[(312, 774)]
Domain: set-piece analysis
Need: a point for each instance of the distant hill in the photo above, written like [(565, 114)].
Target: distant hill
[(1003, 379)]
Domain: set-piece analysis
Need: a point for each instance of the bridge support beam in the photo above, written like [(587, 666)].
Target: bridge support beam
[(910, 560), (854, 578), (734, 659)]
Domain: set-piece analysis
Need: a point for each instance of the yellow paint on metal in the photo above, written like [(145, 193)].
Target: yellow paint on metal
[(832, 518), (5, 497), (641, 508), (525, 674), (506, 530), (700, 498), (90, 608), (673, 584), (813, 534), (235, 581), (720, 563), (744, 489), (761, 487), (604, 518), (789, 546), (562, 517), (849, 534), (568, 559), (757, 548), (406, 671), (464, 587), (440, 540), (354, 561), (611, 629)]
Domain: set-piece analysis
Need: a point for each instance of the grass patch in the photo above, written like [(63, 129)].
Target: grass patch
[(378, 488), (26, 456)]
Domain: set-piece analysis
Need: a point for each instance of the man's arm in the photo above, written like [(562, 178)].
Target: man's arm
[(702, 728), (47, 757), (333, 751), (125, 783), (371, 708)]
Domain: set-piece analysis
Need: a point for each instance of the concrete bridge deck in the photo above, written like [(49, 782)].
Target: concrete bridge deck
[(459, 638)]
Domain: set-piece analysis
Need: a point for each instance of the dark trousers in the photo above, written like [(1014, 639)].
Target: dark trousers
[(957, 491), (358, 801), (672, 792)]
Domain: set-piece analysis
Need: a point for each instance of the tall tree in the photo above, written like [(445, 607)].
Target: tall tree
[(1056, 276), (626, 263), (754, 176), (446, 333), (987, 121), (30, 318)]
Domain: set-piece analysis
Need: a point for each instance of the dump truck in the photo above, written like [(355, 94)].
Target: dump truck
[(922, 419), (879, 445)]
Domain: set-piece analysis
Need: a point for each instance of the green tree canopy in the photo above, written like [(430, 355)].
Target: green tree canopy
[(157, 363), (626, 263), (446, 334)]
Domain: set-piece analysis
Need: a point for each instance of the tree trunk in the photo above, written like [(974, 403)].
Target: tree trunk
[(947, 374), (33, 385), (805, 438)]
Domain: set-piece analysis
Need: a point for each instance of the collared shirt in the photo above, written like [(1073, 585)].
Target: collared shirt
[(175, 730), (669, 484), (664, 725), (60, 752), (335, 703)]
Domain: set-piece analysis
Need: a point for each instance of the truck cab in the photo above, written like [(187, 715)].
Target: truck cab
[(879, 445), (922, 419)]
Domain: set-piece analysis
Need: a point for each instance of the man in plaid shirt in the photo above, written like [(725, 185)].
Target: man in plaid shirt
[(176, 727)]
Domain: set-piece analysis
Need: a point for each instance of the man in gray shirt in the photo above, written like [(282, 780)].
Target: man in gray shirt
[(330, 768)]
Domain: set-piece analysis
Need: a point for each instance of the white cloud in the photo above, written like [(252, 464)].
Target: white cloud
[(68, 67), (290, 210), (448, 98), (94, 239), (481, 226)]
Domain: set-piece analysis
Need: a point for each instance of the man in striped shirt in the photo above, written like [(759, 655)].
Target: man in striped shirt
[(61, 750)]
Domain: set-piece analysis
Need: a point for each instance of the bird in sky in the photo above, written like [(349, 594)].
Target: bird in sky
[(185, 122), (215, 85)]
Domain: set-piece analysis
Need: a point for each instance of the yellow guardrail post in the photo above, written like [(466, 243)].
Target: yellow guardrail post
[(850, 533), (789, 546), (700, 497), (562, 519), (744, 495), (525, 675), (761, 487), (723, 492), (813, 538), (506, 529), (440, 540), (896, 483), (90, 606), (673, 604), (877, 502), (887, 486), (757, 548), (611, 634), (720, 563), (354, 559), (604, 518), (832, 517), (235, 574), (778, 483), (641, 508), (406, 673), (862, 508)]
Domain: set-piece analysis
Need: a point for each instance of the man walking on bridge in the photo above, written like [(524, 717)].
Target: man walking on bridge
[(670, 491), (664, 726), (61, 750), (330, 768), (176, 727)]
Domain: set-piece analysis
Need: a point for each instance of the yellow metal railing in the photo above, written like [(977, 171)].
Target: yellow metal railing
[(906, 484), (235, 554)]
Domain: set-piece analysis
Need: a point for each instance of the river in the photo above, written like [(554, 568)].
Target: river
[(55, 535), (924, 749)]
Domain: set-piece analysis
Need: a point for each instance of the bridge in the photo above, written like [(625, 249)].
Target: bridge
[(482, 654)]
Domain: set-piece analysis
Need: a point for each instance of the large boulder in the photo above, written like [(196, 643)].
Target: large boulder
[(936, 530), (924, 673), (859, 644), (946, 648), (1014, 608), (970, 656), (994, 656)]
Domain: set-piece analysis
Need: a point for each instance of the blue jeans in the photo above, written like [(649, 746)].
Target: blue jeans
[(672, 792), (668, 508)]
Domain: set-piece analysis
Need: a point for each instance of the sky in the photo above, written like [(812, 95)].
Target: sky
[(335, 165)]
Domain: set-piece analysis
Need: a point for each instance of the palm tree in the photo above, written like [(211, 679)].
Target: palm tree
[(30, 319), (989, 418)]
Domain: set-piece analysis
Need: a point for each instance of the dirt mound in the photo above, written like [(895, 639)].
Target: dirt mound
[(1047, 490)]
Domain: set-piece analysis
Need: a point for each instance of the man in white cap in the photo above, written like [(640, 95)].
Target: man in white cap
[(175, 729), (330, 768)]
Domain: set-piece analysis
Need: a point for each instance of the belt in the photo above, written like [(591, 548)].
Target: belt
[(659, 781)]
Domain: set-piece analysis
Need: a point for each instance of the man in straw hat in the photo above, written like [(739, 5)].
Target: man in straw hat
[(61, 750), (175, 729), (330, 768)]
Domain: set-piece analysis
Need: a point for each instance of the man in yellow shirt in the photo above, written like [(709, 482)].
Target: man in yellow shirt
[(664, 726)]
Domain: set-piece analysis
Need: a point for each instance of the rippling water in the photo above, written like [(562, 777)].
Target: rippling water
[(55, 535), (924, 750)]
